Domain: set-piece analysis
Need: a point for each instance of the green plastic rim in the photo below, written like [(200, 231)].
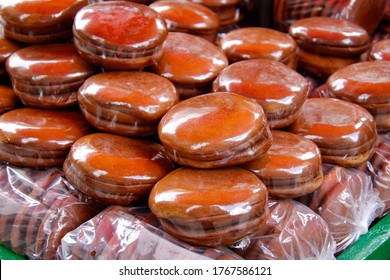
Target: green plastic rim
[(374, 245), (6, 254)]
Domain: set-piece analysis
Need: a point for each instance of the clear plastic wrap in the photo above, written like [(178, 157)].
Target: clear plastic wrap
[(117, 234), (379, 168), (38, 207), (105, 36), (347, 202), (126, 102), (292, 232), (48, 75)]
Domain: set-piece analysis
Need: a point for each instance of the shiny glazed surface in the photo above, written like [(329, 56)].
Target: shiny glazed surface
[(280, 90), (30, 127), (290, 156), (335, 124), (48, 64), (147, 95), (117, 159), (40, 13), (365, 83), (330, 31), (194, 193), (211, 123), (115, 24), (257, 42), (187, 58), (186, 15)]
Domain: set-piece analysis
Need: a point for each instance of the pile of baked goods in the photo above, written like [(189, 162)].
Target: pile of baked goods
[(186, 130)]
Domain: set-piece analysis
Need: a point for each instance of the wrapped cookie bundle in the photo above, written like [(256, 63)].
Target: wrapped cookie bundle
[(38, 209)]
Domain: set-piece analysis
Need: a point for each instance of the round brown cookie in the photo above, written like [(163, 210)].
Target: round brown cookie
[(117, 169), (217, 214), (199, 142), (188, 17), (36, 131), (190, 63), (280, 90), (259, 43), (138, 47), (330, 36), (127, 103), (290, 168), (344, 132), (37, 22), (60, 71)]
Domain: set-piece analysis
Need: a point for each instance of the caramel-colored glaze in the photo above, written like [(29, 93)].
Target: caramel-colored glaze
[(8, 99), (191, 193), (48, 64), (211, 124), (42, 129), (365, 83), (186, 16), (335, 124), (328, 31), (189, 59), (119, 160), (280, 90), (121, 25), (7, 47), (380, 50), (145, 95), (291, 157), (257, 42)]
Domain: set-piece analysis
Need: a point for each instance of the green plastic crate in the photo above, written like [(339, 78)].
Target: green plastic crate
[(374, 245)]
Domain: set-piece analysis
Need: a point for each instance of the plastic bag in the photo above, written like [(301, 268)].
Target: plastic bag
[(348, 203), (379, 168), (292, 232), (115, 234), (37, 210)]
